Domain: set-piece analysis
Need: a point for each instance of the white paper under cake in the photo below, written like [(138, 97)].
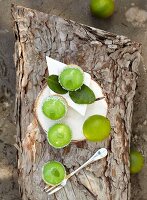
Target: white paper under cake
[(55, 67)]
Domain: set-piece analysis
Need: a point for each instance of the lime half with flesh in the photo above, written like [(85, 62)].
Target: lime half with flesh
[(54, 107), (59, 135), (53, 173), (71, 78)]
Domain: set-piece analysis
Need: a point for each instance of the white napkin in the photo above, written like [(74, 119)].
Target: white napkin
[(55, 67)]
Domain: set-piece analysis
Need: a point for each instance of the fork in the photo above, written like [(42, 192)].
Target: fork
[(101, 153)]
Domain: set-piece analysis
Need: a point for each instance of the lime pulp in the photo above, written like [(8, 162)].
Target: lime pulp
[(71, 78), (54, 107), (53, 173), (59, 135)]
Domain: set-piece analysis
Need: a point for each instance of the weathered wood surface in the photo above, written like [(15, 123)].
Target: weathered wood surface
[(112, 61)]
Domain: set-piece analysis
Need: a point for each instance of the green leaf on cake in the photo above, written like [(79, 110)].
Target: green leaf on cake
[(54, 85), (84, 95)]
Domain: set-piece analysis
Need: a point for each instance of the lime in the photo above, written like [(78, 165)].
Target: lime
[(136, 162), (59, 135), (102, 8), (54, 107), (96, 128), (53, 173), (71, 78)]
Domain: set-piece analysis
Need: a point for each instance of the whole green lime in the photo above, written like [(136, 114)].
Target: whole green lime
[(96, 128), (136, 162), (102, 8), (54, 107), (53, 173), (59, 135)]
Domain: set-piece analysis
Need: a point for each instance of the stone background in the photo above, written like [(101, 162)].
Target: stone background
[(130, 19)]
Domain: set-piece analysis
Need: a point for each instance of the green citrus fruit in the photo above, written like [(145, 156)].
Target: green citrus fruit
[(54, 107), (136, 162), (71, 78), (59, 135), (96, 128), (53, 173), (102, 8)]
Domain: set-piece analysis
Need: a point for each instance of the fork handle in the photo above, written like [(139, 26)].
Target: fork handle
[(101, 153), (81, 167)]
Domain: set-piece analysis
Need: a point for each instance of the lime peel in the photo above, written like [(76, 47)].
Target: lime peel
[(136, 162), (102, 8), (96, 128)]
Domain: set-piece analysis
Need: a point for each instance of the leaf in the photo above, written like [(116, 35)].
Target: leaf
[(54, 85), (83, 96)]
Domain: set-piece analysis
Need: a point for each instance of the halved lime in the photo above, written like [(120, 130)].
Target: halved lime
[(71, 78), (96, 128), (136, 162), (54, 107), (53, 173), (59, 135)]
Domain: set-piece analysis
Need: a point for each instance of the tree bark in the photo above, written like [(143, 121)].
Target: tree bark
[(112, 61)]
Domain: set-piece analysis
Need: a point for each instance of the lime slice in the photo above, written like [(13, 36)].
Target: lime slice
[(136, 162), (96, 128), (71, 78), (54, 107), (59, 135), (53, 173)]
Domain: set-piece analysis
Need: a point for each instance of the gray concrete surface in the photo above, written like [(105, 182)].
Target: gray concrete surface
[(130, 19)]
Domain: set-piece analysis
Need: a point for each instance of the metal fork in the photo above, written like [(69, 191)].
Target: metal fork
[(101, 153)]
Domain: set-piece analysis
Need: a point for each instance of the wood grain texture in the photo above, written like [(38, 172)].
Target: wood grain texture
[(112, 61)]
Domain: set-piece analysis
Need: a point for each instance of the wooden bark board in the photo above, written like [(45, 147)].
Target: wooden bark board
[(112, 61)]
